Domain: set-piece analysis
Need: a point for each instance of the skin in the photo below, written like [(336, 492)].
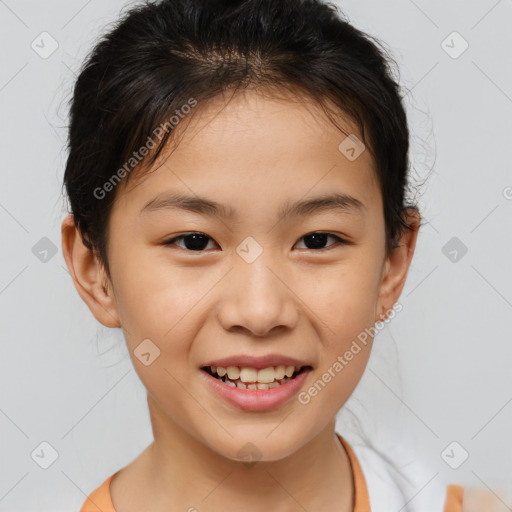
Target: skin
[(253, 155)]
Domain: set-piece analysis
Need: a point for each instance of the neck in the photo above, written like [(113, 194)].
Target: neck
[(188, 474)]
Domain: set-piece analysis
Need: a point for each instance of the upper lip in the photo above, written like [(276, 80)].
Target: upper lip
[(258, 362)]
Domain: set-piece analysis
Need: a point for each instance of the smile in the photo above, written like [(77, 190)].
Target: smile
[(242, 386), (254, 378)]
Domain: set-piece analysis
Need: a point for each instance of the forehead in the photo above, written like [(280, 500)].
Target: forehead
[(255, 143)]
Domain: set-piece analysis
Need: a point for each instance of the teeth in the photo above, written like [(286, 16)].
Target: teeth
[(249, 375), (267, 375), (240, 385), (234, 373), (280, 371), (252, 378), (289, 371)]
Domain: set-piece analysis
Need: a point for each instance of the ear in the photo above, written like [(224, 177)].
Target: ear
[(88, 275), (396, 267)]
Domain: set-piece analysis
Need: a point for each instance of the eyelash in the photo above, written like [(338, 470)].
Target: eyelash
[(340, 240)]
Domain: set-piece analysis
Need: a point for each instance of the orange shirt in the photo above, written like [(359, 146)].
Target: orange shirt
[(100, 500)]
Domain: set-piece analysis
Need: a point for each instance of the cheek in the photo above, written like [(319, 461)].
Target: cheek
[(158, 311), (344, 308), (343, 298), (153, 298), (343, 302)]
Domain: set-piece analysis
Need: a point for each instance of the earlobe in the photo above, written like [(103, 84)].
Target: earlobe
[(88, 275), (396, 267)]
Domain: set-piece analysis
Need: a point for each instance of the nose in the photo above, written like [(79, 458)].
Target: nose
[(257, 299)]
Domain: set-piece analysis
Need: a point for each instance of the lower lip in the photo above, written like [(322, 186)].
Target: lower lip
[(257, 399)]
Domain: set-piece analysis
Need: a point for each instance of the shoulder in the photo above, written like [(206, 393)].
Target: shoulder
[(454, 494), (99, 500), (423, 492)]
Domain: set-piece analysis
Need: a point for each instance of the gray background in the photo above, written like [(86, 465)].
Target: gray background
[(440, 371)]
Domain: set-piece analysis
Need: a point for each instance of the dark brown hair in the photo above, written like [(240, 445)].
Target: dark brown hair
[(161, 56)]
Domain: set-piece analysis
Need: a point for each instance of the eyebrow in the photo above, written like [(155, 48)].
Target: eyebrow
[(339, 202)]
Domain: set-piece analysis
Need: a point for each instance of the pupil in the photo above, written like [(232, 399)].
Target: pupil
[(318, 239), (199, 242)]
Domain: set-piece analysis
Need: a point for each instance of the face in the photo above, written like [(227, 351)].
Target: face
[(257, 244)]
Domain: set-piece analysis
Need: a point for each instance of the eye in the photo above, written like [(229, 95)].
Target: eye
[(192, 241), (318, 239), (198, 242)]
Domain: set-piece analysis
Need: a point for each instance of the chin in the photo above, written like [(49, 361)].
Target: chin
[(258, 447)]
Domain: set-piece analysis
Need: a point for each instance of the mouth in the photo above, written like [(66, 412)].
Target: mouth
[(249, 378)]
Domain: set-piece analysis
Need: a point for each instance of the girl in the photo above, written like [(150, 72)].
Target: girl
[(212, 146)]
